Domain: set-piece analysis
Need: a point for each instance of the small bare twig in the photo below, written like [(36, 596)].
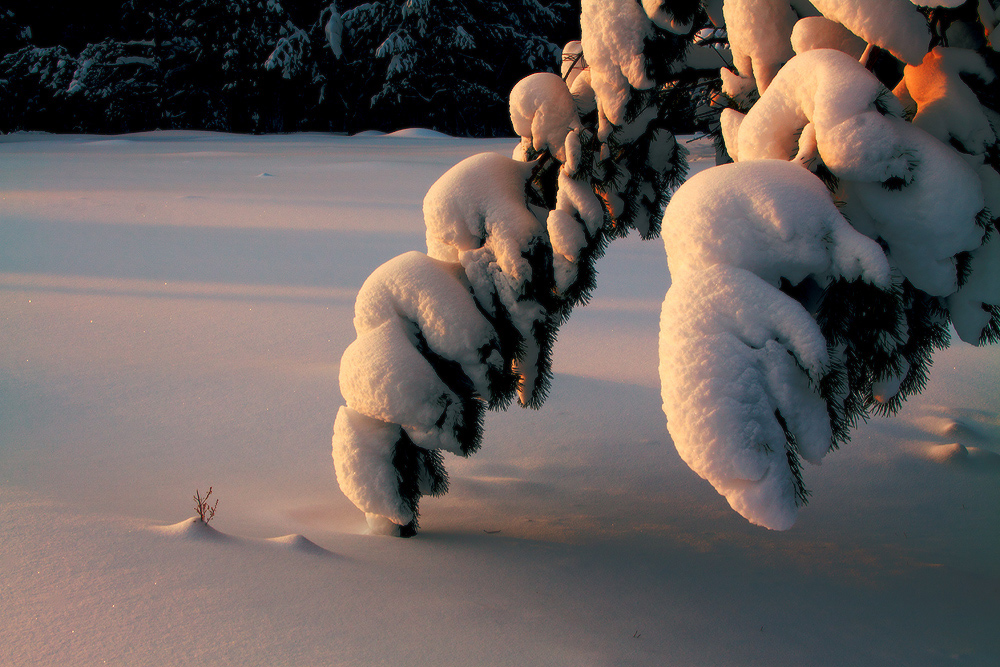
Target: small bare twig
[(205, 511), (576, 58)]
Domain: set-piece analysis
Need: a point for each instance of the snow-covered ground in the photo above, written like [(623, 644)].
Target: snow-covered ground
[(174, 307)]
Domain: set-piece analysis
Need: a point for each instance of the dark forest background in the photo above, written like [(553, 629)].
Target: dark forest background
[(273, 66)]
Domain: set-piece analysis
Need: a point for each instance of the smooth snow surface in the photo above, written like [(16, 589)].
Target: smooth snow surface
[(171, 321)]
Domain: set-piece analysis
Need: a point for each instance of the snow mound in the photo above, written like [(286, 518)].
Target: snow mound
[(192, 529), (966, 439), (296, 542), (108, 142), (197, 530), (418, 133), (966, 426), (959, 455)]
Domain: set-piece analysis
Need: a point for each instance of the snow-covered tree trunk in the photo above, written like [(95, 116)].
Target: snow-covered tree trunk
[(790, 318)]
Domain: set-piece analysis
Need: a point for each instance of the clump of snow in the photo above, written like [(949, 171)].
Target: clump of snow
[(334, 30), (770, 217), (740, 89), (613, 34), (741, 362), (362, 455), (895, 25), (734, 378), (476, 215), (844, 102), (568, 239), (289, 53), (434, 298), (660, 14), (383, 376), (758, 36), (543, 113), (573, 63), (945, 105), (951, 4), (981, 288), (583, 93), (929, 221), (990, 18), (573, 223), (819, 32)]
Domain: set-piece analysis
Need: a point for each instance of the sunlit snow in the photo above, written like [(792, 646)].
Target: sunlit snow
[(171, 319)]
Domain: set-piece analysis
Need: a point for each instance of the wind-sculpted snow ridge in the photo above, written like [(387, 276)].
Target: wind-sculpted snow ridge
[(790, 318), (511, 246)]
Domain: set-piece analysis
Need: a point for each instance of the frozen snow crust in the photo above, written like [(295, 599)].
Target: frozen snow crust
[(790, 318)]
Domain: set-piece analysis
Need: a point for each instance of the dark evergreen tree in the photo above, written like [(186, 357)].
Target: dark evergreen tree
[(365, 28), (211, 59), (114, 88), (14, 34), (265, 65), (33, 84), (450, 65), (306, 68)]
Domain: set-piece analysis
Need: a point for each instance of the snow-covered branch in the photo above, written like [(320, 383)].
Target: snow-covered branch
[(789, 320), (511, 245)]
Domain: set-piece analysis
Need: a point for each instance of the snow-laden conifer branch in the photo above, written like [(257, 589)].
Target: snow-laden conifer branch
[(789, 320), (511, 246)]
